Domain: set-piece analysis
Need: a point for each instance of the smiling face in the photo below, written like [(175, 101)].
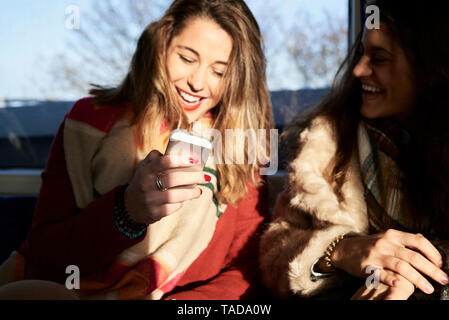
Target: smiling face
[(197, 59), (387, 85)]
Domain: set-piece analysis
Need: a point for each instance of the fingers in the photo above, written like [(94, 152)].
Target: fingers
[(180, 178), (156, 162), (408, 272), (379, 276), (402, 291), (416, 260), (162, 204), (369, 293), (148, 200), (423, 265), (417, 242), (177, 195), (389, 278), (363, 293), (170, 201)]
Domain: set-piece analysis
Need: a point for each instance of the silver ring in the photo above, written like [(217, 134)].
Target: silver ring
[(159, 184)]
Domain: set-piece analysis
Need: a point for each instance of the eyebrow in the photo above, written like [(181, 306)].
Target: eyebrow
[(197, 54), (377, 48)]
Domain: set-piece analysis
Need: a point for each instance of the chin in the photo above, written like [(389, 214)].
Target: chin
[(194, 115), (368, 115), (371, 112)]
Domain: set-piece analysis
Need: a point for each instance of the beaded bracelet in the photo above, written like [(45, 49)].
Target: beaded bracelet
[(330, 249), (123, 221)]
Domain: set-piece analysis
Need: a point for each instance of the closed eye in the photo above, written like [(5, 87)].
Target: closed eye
[(219, 74), (379, 59), (185, 59)]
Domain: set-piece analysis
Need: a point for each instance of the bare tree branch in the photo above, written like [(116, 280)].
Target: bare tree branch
[(316, 48), (100, 52)]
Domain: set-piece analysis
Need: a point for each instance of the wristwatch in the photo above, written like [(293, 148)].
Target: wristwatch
[(315, 275)]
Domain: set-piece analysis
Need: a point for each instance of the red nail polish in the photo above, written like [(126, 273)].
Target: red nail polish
[(201, 191), (207, 178), (193, 160)]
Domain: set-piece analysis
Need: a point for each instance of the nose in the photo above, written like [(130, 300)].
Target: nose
[(363, 68), (197, 79)]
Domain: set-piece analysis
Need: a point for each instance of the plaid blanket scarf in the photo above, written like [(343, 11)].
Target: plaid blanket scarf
[(382, 176)]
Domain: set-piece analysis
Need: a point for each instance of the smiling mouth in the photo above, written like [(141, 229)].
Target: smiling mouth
[(371, 92), (189, 101), (371, 89)]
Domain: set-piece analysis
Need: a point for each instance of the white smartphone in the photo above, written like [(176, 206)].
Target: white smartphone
[(183, 143)]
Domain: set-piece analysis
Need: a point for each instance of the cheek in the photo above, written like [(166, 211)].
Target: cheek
[(174, 71), (402, 89), (170, 70), (217, 88)]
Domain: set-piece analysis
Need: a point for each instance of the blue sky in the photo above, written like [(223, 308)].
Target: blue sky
[(32, 32)]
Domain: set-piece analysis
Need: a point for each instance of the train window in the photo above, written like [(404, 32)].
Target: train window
[(56, 49)]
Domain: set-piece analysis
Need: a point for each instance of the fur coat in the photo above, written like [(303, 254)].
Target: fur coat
[(309, 215)]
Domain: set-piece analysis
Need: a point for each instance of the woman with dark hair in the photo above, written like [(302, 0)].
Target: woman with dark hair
[(368, 184), (134, 223)]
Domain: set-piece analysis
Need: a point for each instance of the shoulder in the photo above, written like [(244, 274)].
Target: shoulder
[(315, 145), (320, 129), (304, 131), (99, 117)]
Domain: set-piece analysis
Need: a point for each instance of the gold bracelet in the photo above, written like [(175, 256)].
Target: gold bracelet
[(330, 249)]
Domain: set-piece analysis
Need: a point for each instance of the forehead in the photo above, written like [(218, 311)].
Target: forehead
[(378, 38), (381, 41), (206, 37)]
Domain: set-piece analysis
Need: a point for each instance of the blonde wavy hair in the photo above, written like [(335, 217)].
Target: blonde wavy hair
[(246, 101)]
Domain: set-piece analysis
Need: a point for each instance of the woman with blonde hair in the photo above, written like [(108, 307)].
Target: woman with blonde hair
[(112, 208), (367, 198)]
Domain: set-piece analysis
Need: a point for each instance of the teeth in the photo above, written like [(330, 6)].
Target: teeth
[(188, 98), (371, 89)]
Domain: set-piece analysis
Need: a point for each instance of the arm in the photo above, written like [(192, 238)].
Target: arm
[(290, 246), (61, 235), (309, 215), (239, 276)]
